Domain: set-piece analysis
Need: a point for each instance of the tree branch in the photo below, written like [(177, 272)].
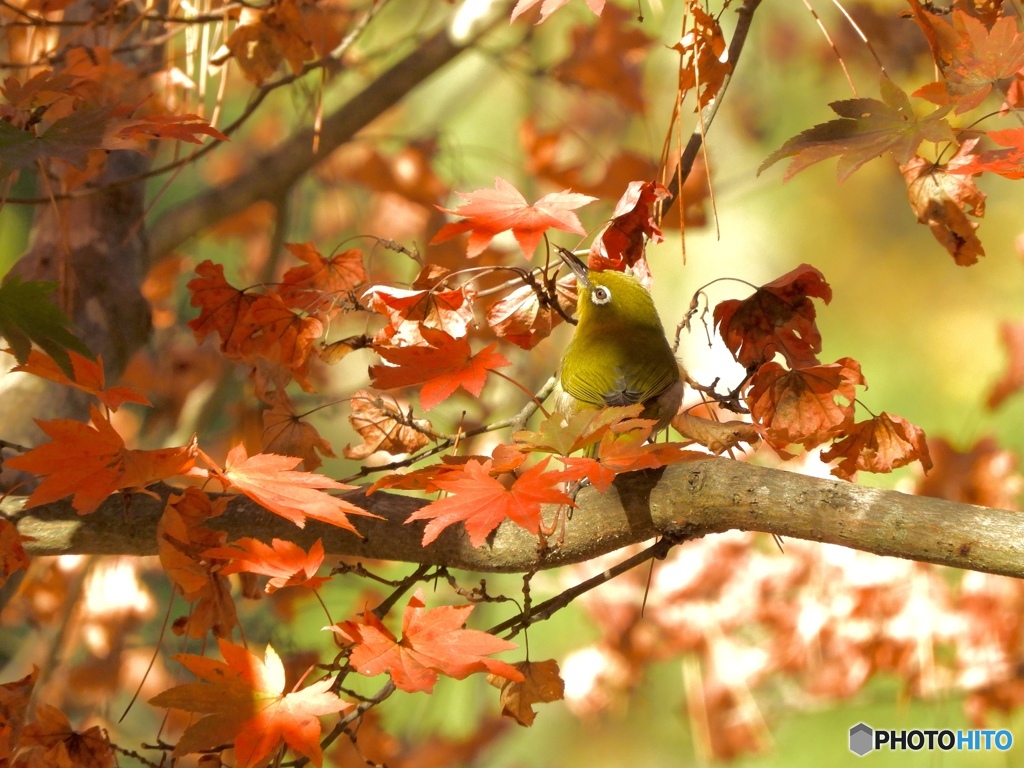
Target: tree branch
[(288, 162), (694, 499)]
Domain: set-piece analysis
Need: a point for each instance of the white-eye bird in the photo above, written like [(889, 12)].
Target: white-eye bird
[(619, 354)]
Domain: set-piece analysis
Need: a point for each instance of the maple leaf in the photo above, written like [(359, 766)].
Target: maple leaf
[(777, 318), (703, 53), (244, 703), (717, 436), (942, 196), (585, 428), (625, 448), (182, 540), (541, 683), (286, 434), (383, 427), (12, 554), (408, 311), (1005, 162), (50, 740), (137, 133), (286, 563), (441, 368), (28, 315), (607, 57), (550, 6), (483, 503), (867, 128), (487, 212), (880, 444), (273, 482), (1012, 380), (433, 643), (622, 242), (88, 377), (984, 474), (800, 406), (252, 327), (317, 285), (524, 319), (91, 462), (971, 56)]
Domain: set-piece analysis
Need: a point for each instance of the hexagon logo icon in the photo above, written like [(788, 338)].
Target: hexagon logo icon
[(862, 739)]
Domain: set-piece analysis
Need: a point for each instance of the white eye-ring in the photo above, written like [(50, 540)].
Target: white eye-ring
[(600, 295)]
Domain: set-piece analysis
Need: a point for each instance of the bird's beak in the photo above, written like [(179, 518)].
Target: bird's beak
[(576, 265)]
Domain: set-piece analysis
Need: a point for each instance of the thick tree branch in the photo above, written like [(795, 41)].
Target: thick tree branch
[(282, 167), (694, 499)]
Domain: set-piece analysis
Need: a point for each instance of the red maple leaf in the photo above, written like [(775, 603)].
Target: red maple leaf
[(490, 211), (622, 243), (288, 564), (89, 378), (272, 482), (777, 318), (800, 406), (880, 444), (91, 462), (1005, 162), (408, 311), (433, 642), (441, 368), (244, 703), (480, 501), (866, 129)]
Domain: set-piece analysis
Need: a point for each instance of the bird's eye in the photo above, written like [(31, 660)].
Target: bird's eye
[(601, 295)]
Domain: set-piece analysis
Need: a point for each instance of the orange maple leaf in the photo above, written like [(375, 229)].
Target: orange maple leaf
[(522, 318), (483, 503), (777, 318), (490, 211), (272, 482), (286, 433), (318, 284), (433, 642), (12, 554), (288, 564), (971, 56), (253, 327), (182, 540), (880, 444), (444, 366), (91, 462), (136, 133), (245, 703), (51, 741), (89, 378), (800, 406)]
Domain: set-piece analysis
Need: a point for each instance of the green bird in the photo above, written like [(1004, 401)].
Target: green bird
[(619, 354)]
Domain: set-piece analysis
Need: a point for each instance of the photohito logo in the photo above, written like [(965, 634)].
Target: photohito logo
[(864, 739)]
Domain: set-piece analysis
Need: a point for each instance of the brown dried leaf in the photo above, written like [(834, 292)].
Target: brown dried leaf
[(542, 684), (716, 436), (942, 198), (383, 427)]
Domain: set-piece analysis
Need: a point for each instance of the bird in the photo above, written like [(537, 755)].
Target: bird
[(619, 354)]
